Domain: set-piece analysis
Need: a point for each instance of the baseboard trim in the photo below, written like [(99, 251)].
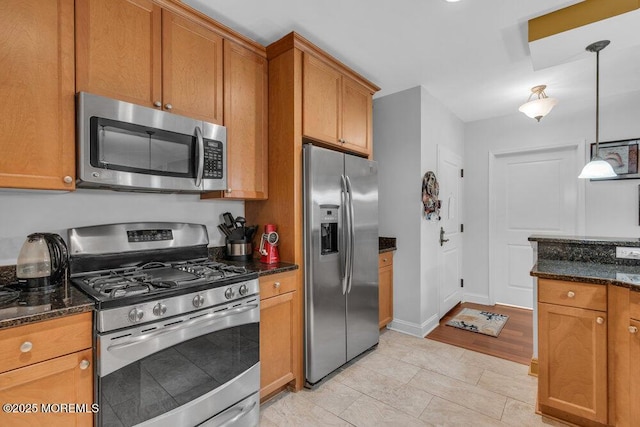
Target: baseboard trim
[(415, 329), (534, 367)]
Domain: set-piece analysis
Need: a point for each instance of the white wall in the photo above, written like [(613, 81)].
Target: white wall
[(611, 207), (23, 212), (408, 126)]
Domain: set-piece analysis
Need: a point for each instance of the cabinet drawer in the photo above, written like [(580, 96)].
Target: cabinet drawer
[(385, 259), (573, 294), (277, 284), (634, 305), (36, 342)]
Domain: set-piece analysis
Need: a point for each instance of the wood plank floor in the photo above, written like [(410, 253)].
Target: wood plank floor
[(514, 343)]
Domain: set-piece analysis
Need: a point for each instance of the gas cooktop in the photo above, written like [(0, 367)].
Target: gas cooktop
[(152, 280)]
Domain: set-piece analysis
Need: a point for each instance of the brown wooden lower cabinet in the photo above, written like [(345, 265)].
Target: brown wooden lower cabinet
[(279, 331), (624, 354), (38, 390), (385, 288), (572, 351)]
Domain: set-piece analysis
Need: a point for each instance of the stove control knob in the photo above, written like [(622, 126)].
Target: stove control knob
[(228, 294), (243, 290), (159, 309), (198, 301), (136, 315)]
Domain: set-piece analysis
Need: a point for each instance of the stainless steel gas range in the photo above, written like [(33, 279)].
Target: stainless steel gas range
[(176, 335)]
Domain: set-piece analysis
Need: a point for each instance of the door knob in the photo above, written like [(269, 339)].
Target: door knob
[(442, 239)]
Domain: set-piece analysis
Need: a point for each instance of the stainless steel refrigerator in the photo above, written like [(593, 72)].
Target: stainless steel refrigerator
[(341, 259)]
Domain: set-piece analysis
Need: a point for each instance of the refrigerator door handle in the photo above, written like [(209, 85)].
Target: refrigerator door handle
[(345, 234), (352, 234)]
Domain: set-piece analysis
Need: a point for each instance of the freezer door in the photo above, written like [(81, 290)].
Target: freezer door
[(362, 296), (325, 302)]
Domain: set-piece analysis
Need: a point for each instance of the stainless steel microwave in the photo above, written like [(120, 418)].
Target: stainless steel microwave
[(123, 146)]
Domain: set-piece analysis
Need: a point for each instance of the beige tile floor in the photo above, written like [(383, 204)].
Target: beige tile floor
[(408, 381)]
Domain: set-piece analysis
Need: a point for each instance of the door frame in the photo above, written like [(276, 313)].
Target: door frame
[(460, 209), (579, 147)]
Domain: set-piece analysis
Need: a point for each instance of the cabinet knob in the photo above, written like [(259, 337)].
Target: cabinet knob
[(67, 179), (26, 347), (157, 104), (276, 285), (228, 190), (633, 329), (599, 320), (168, 106), (571, 294), (84, 364), (384, 260)]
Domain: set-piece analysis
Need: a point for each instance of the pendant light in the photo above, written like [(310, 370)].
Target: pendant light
[(597, 167), (538, 108)]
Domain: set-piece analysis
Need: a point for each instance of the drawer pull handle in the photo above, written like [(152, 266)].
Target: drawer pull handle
[(84, 364), (633, 329), (599, 320), (571, 294), (276, 285), (26, 347)]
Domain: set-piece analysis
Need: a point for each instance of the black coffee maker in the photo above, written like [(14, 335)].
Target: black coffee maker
[(42, 262)]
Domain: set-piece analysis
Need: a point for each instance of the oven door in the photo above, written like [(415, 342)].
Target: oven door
[(183, 371)]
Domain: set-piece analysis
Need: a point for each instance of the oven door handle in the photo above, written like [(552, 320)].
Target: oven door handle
[(244, 410), (182, 325)]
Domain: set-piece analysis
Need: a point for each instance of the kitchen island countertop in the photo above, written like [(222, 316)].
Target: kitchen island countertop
[(627, 276)]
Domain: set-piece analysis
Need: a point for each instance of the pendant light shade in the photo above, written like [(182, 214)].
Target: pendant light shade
[(538, 108), (597, 167)]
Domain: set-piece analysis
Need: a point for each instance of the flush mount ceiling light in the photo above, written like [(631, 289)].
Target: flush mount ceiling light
[(597, 167), (538, 108)]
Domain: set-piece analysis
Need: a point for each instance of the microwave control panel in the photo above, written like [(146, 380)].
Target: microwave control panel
[(213, 159)]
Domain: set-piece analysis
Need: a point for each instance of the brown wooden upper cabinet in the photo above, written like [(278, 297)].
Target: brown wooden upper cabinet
[(245, 117), (336, 109), (136, 51), (36, 47)]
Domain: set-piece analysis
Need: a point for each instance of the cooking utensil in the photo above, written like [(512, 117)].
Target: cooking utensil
[(250, 232), (223, 228), (240, 221), (229, 221), (236, 234)]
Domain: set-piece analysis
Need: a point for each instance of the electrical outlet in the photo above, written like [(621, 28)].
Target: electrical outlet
[(628, 253)]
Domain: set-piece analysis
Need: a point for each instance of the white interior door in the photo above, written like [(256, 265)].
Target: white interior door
[(450, 253), (531, 192)]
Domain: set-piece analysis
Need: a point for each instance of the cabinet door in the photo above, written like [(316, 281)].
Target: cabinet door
[(63, 380), (356, 116), (245, 117), (573, 361), (277, 342), (385, 288), (118, 45), (191, 69), (37, 137), (321, 101), (634, 368)]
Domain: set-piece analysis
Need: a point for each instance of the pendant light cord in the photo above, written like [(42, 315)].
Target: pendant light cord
[(597, 103)]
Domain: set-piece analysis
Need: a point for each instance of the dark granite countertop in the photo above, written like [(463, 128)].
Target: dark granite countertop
[(627, 276), (386, 244), (37, 306), (586, 240), (264, 269)]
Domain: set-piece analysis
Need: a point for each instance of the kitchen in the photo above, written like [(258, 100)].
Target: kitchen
[(470, 139)]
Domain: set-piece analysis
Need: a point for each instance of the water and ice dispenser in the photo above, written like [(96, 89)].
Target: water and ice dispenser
[(328, 229)]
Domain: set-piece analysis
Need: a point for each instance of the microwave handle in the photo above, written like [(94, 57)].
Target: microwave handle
[(200, 157)]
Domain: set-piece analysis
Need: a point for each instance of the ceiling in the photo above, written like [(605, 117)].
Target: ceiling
[(473, 55)]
